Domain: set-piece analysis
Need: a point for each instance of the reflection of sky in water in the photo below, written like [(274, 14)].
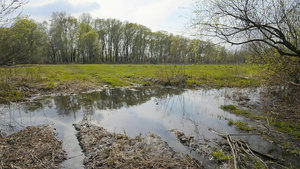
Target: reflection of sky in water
[(131, 111)]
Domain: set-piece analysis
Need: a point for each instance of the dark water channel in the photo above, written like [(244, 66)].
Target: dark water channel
[(133, 111)]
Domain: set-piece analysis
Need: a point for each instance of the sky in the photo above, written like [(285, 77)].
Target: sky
[(172, 16)]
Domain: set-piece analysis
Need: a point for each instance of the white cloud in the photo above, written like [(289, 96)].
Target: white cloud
[(81, 2), (39, 18), (154, 14), (39, 3)]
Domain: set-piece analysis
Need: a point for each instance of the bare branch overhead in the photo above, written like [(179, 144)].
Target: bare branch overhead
[(273, 22)]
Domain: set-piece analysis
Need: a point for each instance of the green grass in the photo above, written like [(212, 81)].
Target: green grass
[(229, 107), (280, 125), (220, 156), (240, 112), (21, 81), (242, 126), (230, 122), (239, 125), (292, 128)]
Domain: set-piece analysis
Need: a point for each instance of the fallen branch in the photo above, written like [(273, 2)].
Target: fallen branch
[(251, 153), (228, 138), (242, 146), (295, 84)]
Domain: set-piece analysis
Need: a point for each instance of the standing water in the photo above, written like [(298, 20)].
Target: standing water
[(133, 112)]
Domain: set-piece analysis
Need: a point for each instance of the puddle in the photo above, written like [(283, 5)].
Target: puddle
[(134, 112)]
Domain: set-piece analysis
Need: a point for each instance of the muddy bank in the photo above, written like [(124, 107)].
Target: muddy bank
[(16, 91), (103, 149), (233, 152), (33, 147), (277, 121)]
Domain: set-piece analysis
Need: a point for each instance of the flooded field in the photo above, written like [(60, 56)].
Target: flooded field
[(135, 112)]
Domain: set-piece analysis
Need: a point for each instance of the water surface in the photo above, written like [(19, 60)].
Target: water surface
[(133, 112)]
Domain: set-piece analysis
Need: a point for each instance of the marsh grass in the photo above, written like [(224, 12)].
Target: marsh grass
[(171, 75), (20, 82), (243, 126), (240, 112), (289, 127), (283, 126)]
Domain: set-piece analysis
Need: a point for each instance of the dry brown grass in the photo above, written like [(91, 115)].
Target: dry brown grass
[(108, 150), (33, 147)]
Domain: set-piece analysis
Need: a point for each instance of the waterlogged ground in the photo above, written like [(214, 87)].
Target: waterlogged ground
[(137, 112)]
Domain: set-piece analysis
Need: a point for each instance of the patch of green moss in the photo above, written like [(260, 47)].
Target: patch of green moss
[(232, 109), (255, 164), (293, 129), (240, 112), (242, 126), (287, 147), (259, 165), (230, 122), (220, 156), (229, 107), (239, 125)]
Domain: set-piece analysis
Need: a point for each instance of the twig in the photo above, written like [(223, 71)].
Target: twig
[(251, 153), (75, 156), (243, 134), (279, 161), (33, 156), (266, 126), (295, 84), (256, 156), (232, 150)]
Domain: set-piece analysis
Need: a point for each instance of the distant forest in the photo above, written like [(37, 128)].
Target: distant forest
[(67, 39)]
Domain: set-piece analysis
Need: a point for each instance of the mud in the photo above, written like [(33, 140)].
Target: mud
[(33, 147), (103, 149), (201, 147), (220, 153)]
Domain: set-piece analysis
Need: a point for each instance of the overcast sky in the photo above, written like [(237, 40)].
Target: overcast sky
[(168, 15)]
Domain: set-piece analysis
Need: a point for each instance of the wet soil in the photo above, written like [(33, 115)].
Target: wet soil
[(33, 147), (222, 152), (264, 112), (272, 109), (103, 149), (25, 91)]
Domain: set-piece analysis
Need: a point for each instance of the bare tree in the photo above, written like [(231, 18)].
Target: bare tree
[(275, 23), (9, 10)]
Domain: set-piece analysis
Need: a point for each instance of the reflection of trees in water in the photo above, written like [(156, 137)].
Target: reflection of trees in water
[(33, 106), (11, 116), (8, 122), (103, 100), (118, 98), (67, 105), (179, 105)]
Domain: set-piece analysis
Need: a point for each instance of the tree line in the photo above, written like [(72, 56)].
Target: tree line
[(66, 39)]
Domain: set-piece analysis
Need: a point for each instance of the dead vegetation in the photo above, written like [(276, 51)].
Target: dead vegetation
[(33, 147), (243, 156), (231, 152), (109, 150)]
